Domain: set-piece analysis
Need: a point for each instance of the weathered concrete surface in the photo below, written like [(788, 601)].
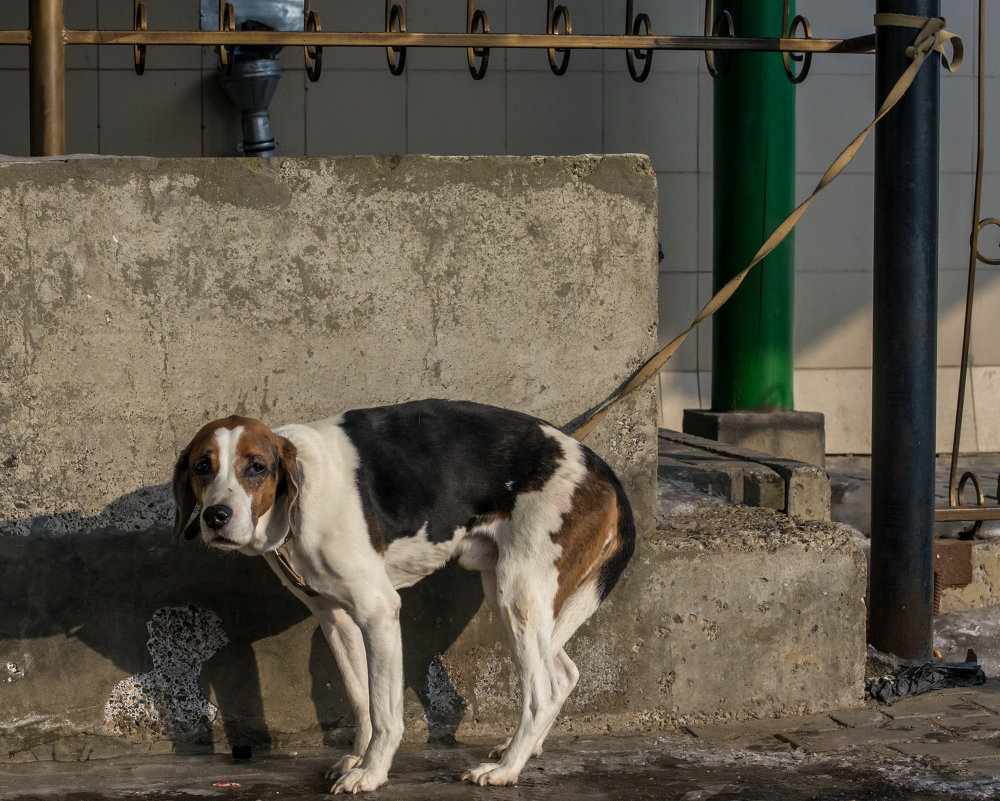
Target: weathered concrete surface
[(140, 298), (800, 436), (143, 297), (743, 475), (725, 613)]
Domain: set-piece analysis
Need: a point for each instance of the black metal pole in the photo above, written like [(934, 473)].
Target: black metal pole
[(905, 345)]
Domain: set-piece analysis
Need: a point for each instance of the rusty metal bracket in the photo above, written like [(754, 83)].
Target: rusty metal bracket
[(953, 562)]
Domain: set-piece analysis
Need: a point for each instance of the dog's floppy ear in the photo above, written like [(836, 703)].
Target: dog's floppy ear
[(290, 483), (184, 500)]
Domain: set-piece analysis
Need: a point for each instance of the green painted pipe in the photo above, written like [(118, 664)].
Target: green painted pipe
[(754, 155)]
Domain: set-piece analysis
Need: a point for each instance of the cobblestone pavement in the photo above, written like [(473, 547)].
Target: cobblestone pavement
[(943, 745)]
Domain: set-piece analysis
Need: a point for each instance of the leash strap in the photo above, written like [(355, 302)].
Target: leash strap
[(931, 39)]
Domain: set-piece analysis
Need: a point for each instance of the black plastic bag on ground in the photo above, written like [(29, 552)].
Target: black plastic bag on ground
[(919, 679)]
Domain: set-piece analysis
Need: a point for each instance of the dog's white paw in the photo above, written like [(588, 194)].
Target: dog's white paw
[(499, 751), (490, 773), (358, 780), (342, 765)]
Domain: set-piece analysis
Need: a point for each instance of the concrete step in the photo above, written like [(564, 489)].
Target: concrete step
[(745, 476), (724, 613)]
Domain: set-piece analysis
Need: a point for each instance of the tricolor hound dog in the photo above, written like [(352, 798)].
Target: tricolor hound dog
[(360, 505)]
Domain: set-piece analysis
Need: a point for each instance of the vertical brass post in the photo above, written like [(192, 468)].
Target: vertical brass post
[(47, 77)]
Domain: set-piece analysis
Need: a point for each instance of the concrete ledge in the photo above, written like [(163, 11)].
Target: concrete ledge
[(725, 613), (745, 476), (792, 435)]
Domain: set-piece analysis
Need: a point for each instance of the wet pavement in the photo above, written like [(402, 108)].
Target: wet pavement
[(942, 745)]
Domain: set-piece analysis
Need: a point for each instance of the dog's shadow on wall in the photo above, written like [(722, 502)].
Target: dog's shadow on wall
[(102, 586)]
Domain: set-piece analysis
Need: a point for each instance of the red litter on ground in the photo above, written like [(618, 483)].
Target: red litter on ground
[(226, 784)]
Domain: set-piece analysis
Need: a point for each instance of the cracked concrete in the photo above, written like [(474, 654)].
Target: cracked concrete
[(143, 297)]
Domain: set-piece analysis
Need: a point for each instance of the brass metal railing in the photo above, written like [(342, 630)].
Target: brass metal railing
[(47, 37)]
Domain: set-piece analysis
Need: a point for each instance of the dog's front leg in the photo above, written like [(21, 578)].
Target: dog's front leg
[(377, 615), (347, 644)]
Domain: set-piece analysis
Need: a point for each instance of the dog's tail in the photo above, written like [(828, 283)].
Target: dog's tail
[(612, 569)]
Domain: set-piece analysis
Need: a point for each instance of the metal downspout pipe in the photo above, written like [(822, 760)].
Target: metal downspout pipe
[(905, 346)]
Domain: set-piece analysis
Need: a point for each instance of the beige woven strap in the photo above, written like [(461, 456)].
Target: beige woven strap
[(930, 39)]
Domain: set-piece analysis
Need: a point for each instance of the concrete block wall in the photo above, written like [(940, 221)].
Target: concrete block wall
[(520, 108)]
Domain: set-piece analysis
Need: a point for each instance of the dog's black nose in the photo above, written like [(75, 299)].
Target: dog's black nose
[(217, 516)]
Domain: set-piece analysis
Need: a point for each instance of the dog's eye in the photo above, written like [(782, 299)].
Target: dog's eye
[(202, 468), (256, 469)]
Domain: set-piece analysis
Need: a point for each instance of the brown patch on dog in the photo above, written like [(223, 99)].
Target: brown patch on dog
[(588, 536), (258, 443)]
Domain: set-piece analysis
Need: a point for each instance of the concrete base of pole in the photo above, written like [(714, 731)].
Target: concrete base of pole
[(789, 434)]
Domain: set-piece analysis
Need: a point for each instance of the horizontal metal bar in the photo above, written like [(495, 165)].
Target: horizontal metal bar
[(15, 37), (958, 514), (861, 44)]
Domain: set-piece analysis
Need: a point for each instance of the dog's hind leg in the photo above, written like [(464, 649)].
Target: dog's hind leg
[(348, 647), (544, 672), (570, 676), (562, 679)]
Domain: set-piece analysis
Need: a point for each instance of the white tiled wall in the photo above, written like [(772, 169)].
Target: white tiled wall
[(178, 109)]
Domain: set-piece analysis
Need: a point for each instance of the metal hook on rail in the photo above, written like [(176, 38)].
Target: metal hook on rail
[(139, 24), (227, 22), (788, 31), (395, 22), (313, 55), (975, 240), (713, 27), (632, 26), (970, 533), (552, 19), (476, 18)]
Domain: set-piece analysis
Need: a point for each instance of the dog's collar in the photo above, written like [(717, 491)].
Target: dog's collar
[(285, 563)]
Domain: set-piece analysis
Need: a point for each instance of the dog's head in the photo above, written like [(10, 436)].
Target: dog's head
[(245, 479)]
